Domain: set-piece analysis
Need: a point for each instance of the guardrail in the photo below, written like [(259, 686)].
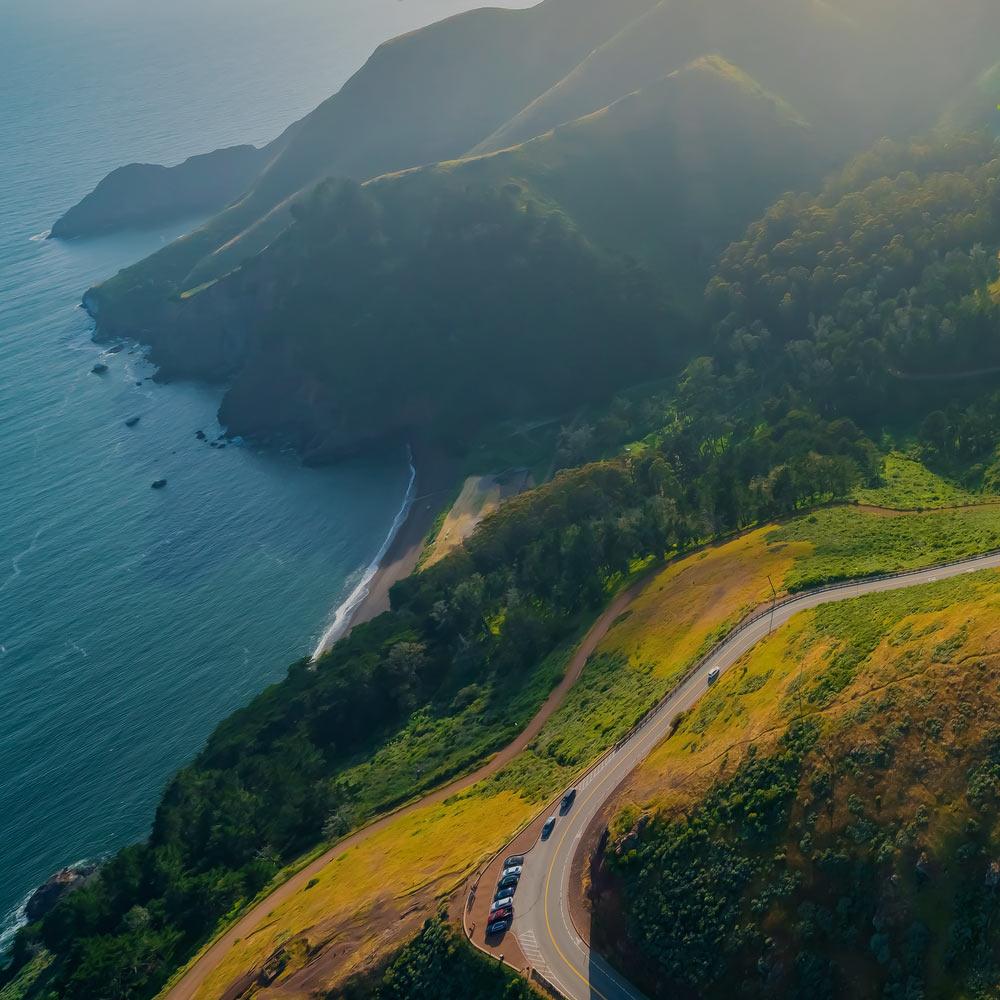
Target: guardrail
[(784, 602)]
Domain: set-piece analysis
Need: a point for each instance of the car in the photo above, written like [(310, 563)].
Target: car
[(504, 891), (504, 913), (513, 871), (503, 903), (713, 675), (508, 881), (567, 801), (497, 927), (550, 825), (513, 861)]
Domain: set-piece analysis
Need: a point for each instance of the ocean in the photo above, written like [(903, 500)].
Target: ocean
[(132, 620)]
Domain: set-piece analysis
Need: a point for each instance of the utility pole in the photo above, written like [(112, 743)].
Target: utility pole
[(774, 601)]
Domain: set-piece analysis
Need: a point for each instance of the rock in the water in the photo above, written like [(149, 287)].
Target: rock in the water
[(200, 435), (45, 897), (138, 382), (159, 484), (99, 369), (115, 349), (132, 421)]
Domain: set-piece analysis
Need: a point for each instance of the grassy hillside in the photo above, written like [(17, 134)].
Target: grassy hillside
[(425, 96), (823, 822), (584, 251), (857, 71)]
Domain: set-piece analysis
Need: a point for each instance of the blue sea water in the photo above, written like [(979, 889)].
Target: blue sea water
[(133, 620)]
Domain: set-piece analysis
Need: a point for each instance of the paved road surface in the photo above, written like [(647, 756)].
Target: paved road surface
[(543, 927)]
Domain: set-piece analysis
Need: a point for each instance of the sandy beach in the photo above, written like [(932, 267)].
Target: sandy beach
[(433, 484)]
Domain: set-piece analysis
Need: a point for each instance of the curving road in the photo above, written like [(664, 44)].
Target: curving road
[(543, 926)]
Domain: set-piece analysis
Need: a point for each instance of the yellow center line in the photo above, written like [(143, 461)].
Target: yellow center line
[(548, 881)]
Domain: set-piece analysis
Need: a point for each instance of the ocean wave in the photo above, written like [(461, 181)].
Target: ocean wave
[(13, 922), (38, 237), (341, 620)]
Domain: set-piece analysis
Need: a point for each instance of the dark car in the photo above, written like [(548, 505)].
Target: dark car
[(504, 891), (550, 825), (514, 860), (497, 927), (508, 881), (567, 801)]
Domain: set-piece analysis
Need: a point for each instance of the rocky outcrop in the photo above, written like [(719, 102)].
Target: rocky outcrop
[(65, 881)]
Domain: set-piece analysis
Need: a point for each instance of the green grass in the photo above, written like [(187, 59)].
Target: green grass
[(850, 544), (909, 485), (438, 744)]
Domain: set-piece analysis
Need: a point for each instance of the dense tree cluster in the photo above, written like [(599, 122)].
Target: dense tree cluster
[(439, 963), (883, 278)]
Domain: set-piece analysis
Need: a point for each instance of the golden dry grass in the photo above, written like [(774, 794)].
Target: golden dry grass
[(934, 642), (361, 898)]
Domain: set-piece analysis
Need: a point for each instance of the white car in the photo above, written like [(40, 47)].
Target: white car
[(513, 870), (499, 904)]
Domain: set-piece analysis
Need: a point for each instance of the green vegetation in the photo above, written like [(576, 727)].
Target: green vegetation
[(907, 484), (538, 280), (848, 546), (834, 834), (440, 963)]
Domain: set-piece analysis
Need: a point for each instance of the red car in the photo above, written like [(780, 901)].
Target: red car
[(504, 913)]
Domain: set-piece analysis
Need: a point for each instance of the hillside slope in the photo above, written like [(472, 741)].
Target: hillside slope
[(425, 96), (857, 71), (823, 823), (497, 278)]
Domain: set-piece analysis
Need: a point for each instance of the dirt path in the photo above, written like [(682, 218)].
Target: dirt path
[(194, 978)]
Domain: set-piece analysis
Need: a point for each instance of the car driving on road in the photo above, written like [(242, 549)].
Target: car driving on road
[(550, 825), (567, 801), (713, 675)]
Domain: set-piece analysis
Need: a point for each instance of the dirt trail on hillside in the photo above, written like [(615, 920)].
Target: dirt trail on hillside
[(192, 981)]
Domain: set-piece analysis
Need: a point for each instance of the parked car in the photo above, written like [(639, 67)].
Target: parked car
[(550, 825), (509, 881), (514, 859), (504, 913), (713, 675), (504, 902), (567, 801), (516, 870), (504, 892), (497, 927)]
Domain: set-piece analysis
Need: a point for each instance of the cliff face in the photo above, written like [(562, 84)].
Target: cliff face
[(146, 194)]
